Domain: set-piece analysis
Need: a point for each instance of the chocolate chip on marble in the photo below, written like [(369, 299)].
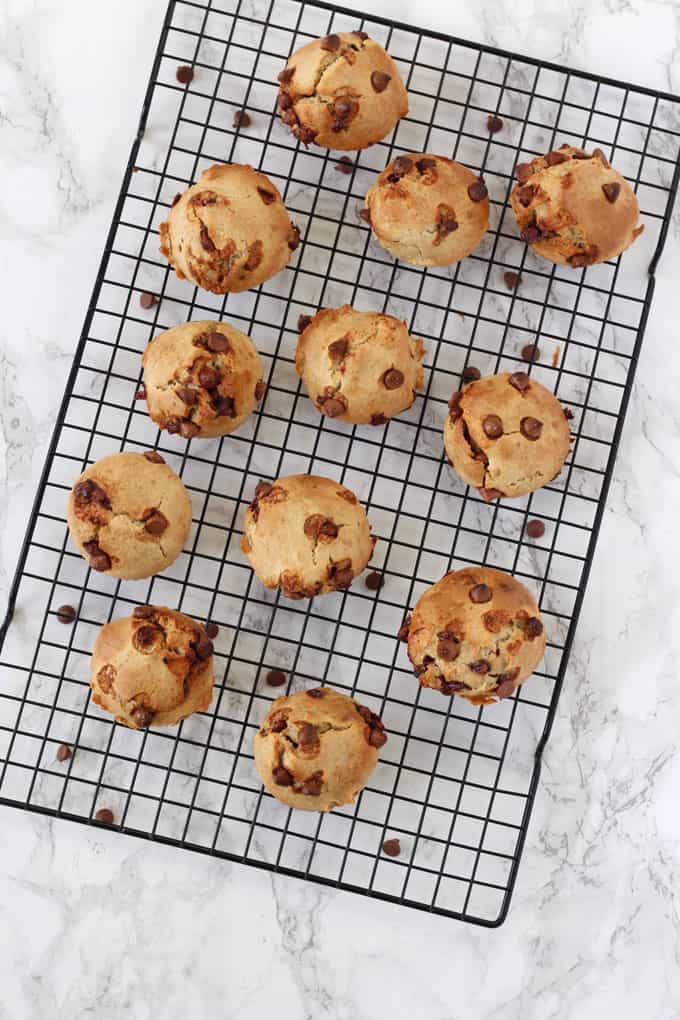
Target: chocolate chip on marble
[(393, 379), (492, 426), (66, 614), (344, 165), (471, 374), (531, 428), (241, 120), (531, 353), (611, 191), (212, 630), (104, 815), (520, 381), (148, 300), (63, 752), (535, 529), (330, 43), (512, 280), (568, 413), (478, 191), (480, 593), (275, 678), (380, 81), (494, 124), (184, 74), (374, 581), (391, 847)]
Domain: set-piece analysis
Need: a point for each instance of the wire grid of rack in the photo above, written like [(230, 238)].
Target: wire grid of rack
[(455, 783)]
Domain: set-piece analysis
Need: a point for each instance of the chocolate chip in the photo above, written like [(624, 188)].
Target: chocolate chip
[(525, 195), (345, 165), (318, 526), (531, 353), (241, 120), (142, 716), (455, 410), (342, 573), (333, 407), (478, 190), (187, 396), (493, 123), (175, 199), (140, 394), (278, 723), (330, 43), (379, 419), (343, 108), (493, 426), (512, 280), (535, 529), (531, 428), (579, 260), (267, 196), (377, 738), (426, 163), (104, 815), (448, 647), (393, 379), (188, 429), (204, 648), (147, 300), (446, 222), (208, 377), (490, 494), (362, 35), (307, 734), (365, 215), (184, 74), (285, 76), (66, 614), (281, 776), (599, 154), (404, 629), (480, 666), (143, 612), (402, 165), (275, 678), (553, 158), (338, 349), (480, 593), (294, 238), (263, 489), (452, 686), (568, 413), (285, 102), (156, 523), (212, 630), (533, 628), (303, 322), (99, 560), (611, 191), (206, 239), (217, 343), (224, 407), (523, 171), (380, 81), (316, 692), (392, 847), (312, 787), (520, 381), (530, 234), (374, 581), (504, 689), (145, 636), (63, 752), (153, 456), (260, 389)]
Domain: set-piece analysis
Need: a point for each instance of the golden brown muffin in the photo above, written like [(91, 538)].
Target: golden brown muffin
[(361, 367), (428, 210), (477, 633), (506, 435), (129, 515), (574, 208), (341, 92), (153, 668), (307, 535), (202, 379), (316, 749), (230, 231)]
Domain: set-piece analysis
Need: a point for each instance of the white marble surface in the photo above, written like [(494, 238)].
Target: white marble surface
[(105, 926)]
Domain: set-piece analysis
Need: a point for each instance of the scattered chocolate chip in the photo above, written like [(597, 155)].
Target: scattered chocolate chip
[(147, 300), (312, 787), (523, 171), (535, 529), (374, 581), (493, 123), (448, 646), (188, 429), (531, 428), (525, 195), (208, 377), (611, 191), (187, 395), (478, 190), (338, 349), (212, 630), (471, 374), (530, 234), (241, 119), (480, 666), (63, 752), (281, 776), (217, 343), (141, 393), (553, 158), (307, 734), (142, 716), (316, 692), (377, 738), (343, 108), (267, 196), (493, 426), (184, 74), (99, 560), (568, 413), (303, 322), (330, 43), (206, 239), (318, 526), (104, 815), (392, 379), (153, 456), (480, 593), (402, 165), (342, 573), (452, 686), (66, 614), (275, 678), (426, 163), (224, 407), (530, 353), (392, 847), (333, 406), (278, 722), (380, 81), (504, 689), (156, 523), (599, 154), (520, 381), (512, 280), (345, 165)]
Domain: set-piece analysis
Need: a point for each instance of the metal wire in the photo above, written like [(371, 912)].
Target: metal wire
[(455, 783)]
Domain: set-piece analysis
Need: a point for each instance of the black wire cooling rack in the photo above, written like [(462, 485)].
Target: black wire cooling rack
[(455, 783)]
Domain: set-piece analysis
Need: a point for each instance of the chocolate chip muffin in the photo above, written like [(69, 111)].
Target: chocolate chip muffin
[(428, 210), (306, 535), (361, 367), (153, 668), (202, 379), (341, 92), (477, 633), (506, 435), (230, 231), (129, 515), (573, 208), (316, 749)]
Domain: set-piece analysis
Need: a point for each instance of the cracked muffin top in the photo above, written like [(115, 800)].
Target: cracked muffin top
[(202, 379), (427, 210), (506, 435), (341, 92), (361, 367), (477, 633), (153, 668), (229, 232), (129, 515), (574, 208), (307, 535), (316, 749)]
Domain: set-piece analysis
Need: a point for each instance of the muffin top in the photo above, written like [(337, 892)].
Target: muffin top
[(477, 633), (506, 435), (307, 535), (230, 231), (202, 379), (341, 92), (574, 208), (152, 668), (428, 210), (361, 367), (316, 749), (129, 515)]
